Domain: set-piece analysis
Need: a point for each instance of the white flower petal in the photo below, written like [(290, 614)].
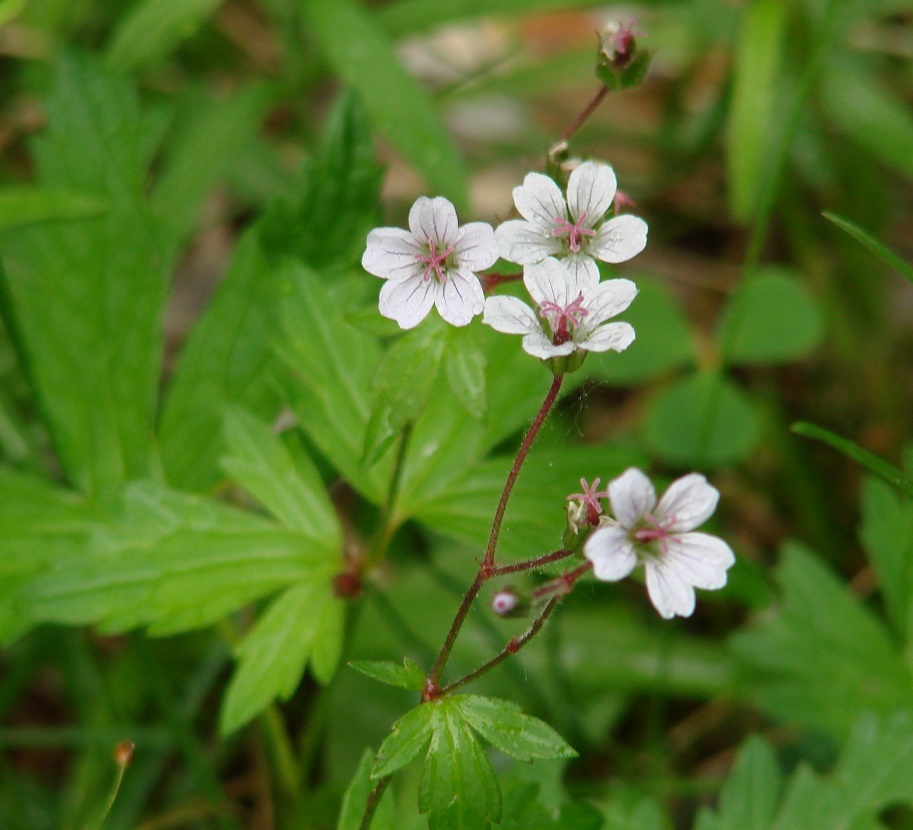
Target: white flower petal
[(614, 336), (522, 242), (434, 219), (611, 553), (687, 503), (669, 594), (632, 496), (619, 239), (391, 254), (549, 281), (407, 301), (583, 270), (460, 298), (591, 191), (538, 345), (608, 299), (701, 558), (475, 248), (540, 201), (510, 315)]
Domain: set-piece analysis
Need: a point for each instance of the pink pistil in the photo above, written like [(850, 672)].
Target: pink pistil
[(655, 533), (434, 262), (561, 319), (590, 497), (574, 232)]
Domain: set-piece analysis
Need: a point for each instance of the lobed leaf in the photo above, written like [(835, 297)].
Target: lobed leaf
[(464, 364), (409, 736), (409, 675)]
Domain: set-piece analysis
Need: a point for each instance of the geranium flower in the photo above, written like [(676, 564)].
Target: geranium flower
[(574, 230), (434, 263), (572, 310), (661, 537)]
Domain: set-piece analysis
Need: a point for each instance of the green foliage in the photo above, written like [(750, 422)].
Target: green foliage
[(358, 51), (409, 675), (30, 205), (888, 257)]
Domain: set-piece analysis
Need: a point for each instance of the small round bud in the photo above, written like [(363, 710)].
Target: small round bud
[(504, 602), (123, 753)]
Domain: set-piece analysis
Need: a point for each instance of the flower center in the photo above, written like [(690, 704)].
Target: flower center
[(563, 320), (574, 232), (435, 261), (654, 531), (590, 499)]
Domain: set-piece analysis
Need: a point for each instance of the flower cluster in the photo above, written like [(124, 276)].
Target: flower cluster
[(558, 240), (661, 536)]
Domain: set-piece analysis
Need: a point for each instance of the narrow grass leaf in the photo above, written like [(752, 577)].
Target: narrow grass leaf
[(21, 206), (355, 46), (887, 256)]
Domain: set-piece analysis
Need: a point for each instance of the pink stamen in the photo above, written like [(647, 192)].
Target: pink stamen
[(590, 497), (435, 261), (562, 320), (656, 532), (574, 232)]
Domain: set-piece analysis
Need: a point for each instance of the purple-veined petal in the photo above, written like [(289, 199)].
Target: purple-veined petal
[(608, 299), (407, 301), (619, 239), (591, 190), (510, 315), (540, 201), (611, 552), (688, 502), (614, 336), (669, 594), (391, 254), (705, 557), (476, 248), (460, 298), (522, 242), (549, 281), (538, 345), (434, 219), (632, 496), (583, 270)]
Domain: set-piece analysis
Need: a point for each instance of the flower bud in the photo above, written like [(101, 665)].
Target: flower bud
[(507, 603), (619, 63)]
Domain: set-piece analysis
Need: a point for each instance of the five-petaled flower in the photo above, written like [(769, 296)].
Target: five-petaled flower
[(574, 230), (572, 310), (661, 536), (435, 263)]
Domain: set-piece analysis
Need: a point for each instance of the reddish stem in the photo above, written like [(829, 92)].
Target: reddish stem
[(529, 564), (588, 110)]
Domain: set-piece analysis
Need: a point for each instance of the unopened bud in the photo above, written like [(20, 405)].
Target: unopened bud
[(620, 65), (123, 753), (507, 603)]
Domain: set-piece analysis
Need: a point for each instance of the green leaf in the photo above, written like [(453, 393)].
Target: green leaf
[(354, 45), (772, 319), (824, 658), (39, 525), (409, 675), (329, 366), (409, 736), (273, 655), (663, 340), (86, 298), (703, 419), (153, 28), (210, 136), (228, 359), (173, 562), (290, 488), (506, 728), (335, 201), (464, 363), (748, 800), (755, 101), (874, 464), (20, 206), (404, 381), (457, 787), (356, 796), (869, 114), (887, 256), (887, 534)]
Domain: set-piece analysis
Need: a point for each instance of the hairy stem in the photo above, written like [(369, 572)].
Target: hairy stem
[(530, 564), (587, 111)]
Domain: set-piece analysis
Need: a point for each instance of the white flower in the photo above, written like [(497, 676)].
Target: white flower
[(572, 308), (433, 263), (676, 559), (572, 230)]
